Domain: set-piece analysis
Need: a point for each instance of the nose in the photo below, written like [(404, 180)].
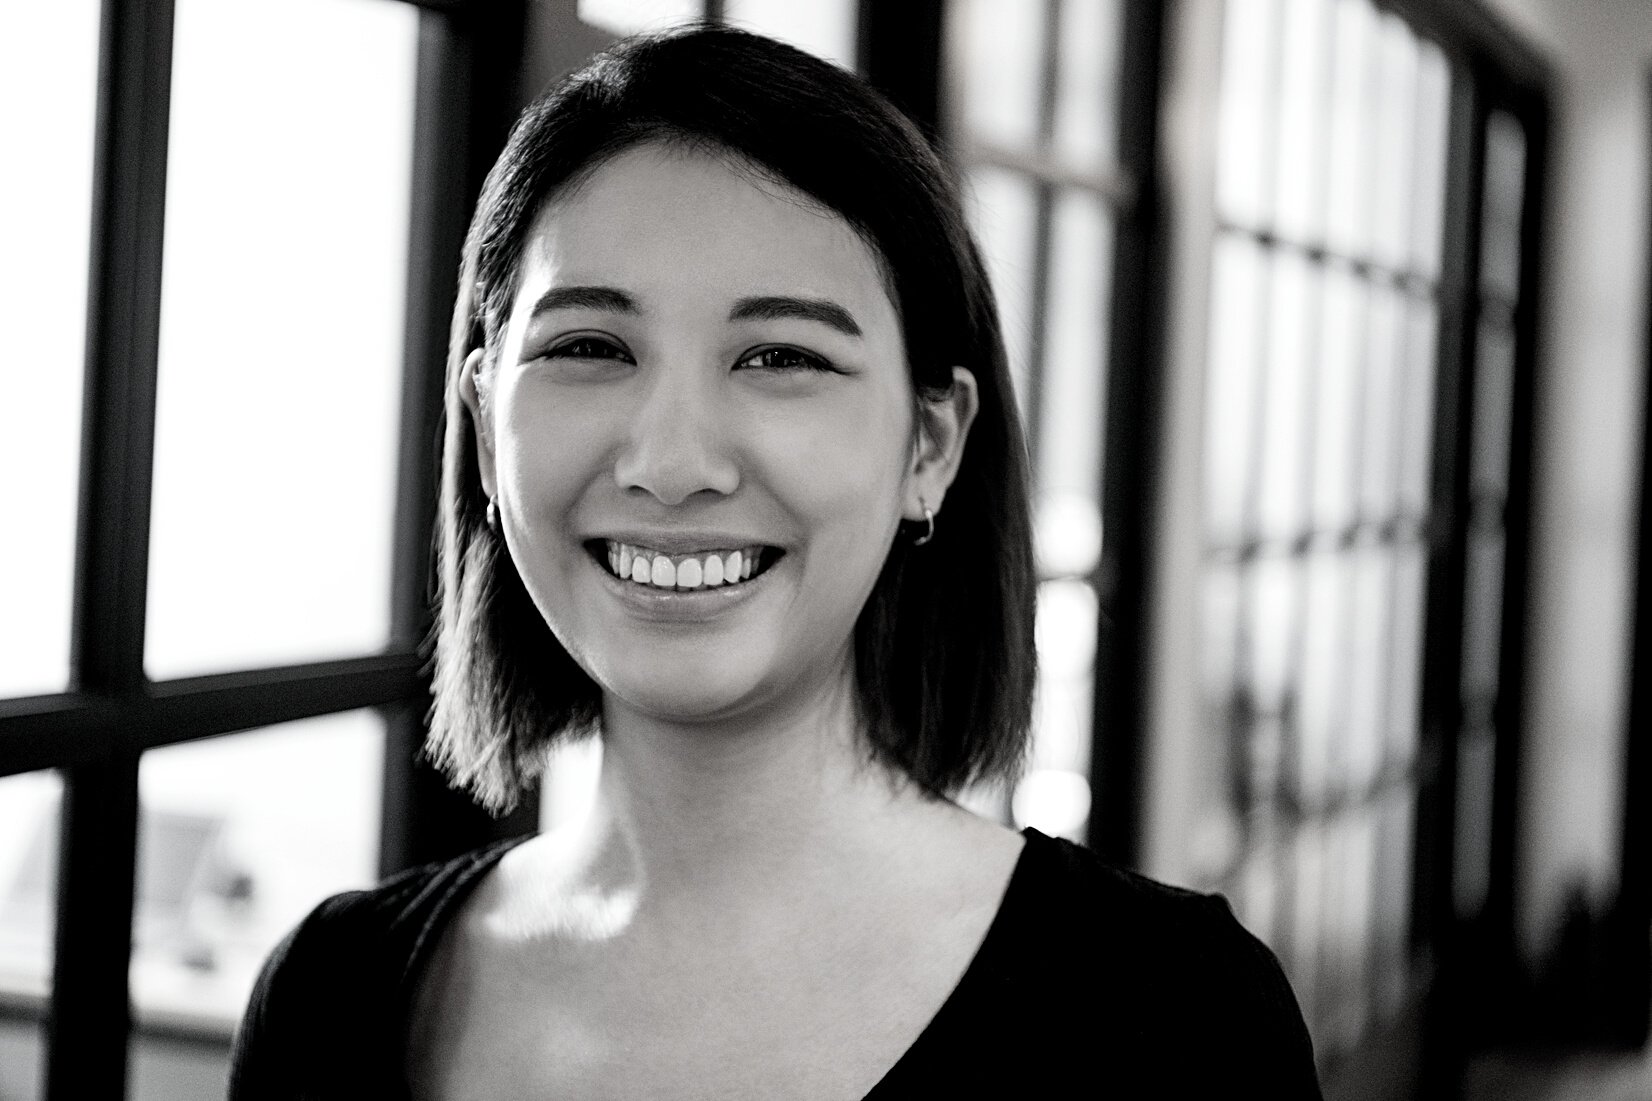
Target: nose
[(679, 443)]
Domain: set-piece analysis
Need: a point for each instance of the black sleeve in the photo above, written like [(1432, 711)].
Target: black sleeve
[(256, 1057), (310, 1028), (1261, 1043)]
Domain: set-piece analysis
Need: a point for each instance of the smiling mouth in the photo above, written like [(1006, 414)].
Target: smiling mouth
[(653, 569)]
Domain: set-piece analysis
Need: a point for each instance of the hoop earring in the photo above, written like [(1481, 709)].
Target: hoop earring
[(929, 518), (493, 515)]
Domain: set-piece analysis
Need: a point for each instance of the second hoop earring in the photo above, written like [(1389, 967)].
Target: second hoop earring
[(929, 532)]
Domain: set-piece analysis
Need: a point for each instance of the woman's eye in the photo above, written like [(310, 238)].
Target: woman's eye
[(785, 359), (588, 347)]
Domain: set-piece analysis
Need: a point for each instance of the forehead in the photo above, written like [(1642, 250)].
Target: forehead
[(661, 219)]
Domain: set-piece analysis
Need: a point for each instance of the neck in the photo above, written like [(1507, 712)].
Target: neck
[(700, 805), (735, 812)]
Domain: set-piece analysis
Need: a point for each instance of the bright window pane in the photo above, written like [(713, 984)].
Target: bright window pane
[(1238, 286), (1379, 435), (1433, 121), (1246, 134), (1306, 922), (1054, 795), (825, 28), (1286, 416), (1304, 76), (1336, 431), (997, 69), (1075, 348), (281, 332), (242, 835), (28, 884), (1369, 657), (1348, 945), (28, 891), (1395, 142), (1275, 606), (631, 16), (1326, 631), (1355, 89), (1086, 104), (45, 225), (1003, 210)]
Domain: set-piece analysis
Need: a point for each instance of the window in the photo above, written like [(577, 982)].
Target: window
[(1337, 396), (45, 225), (1036, 96), (210, 677)]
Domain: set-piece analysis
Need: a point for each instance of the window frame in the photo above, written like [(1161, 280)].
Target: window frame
[(1448, 958), (1133, 385), (96, 731)]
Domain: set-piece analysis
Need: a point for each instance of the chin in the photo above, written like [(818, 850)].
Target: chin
[(703, 692)]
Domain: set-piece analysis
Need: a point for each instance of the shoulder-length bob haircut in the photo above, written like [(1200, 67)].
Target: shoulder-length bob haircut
[(944, 646)]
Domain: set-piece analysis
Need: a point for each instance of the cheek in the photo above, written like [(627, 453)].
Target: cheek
[(547, 447), (843, 464)]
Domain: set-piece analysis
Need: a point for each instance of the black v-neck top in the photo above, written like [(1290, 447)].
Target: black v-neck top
[(1090, 982)]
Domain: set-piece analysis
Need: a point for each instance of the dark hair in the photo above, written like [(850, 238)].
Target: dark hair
[(943, 652)]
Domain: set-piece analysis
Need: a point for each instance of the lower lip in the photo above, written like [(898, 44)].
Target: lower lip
[(681, 605)]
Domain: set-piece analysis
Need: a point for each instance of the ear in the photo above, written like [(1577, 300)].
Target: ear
[(476, 391), (943, 426)]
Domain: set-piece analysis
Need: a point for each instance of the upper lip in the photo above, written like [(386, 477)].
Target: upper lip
[(684, 541)]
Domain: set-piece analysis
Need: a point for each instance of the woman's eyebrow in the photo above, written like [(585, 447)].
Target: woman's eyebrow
[(774, 307), (610, 299)]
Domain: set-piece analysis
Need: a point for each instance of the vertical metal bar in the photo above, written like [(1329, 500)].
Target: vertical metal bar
[(464, 102), (1434, 926), (1130, 463), (1501, 971), (89, 1018), (1631, 955)]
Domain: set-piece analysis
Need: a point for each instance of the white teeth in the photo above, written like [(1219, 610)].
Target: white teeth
[(665, 574), (648, 567)]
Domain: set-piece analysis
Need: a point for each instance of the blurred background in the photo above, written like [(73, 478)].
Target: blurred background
[(1329, 326)]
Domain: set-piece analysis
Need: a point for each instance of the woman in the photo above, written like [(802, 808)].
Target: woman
[(723, 351)]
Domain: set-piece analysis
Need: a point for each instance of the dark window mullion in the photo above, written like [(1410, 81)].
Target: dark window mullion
[(1434, 864), (89, 1019), (74, 729), (1130, 459), (465, 101)]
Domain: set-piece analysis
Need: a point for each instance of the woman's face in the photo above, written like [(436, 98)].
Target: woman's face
[(703, 388)]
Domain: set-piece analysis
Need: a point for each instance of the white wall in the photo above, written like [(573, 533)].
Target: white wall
[(1587, 442)]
